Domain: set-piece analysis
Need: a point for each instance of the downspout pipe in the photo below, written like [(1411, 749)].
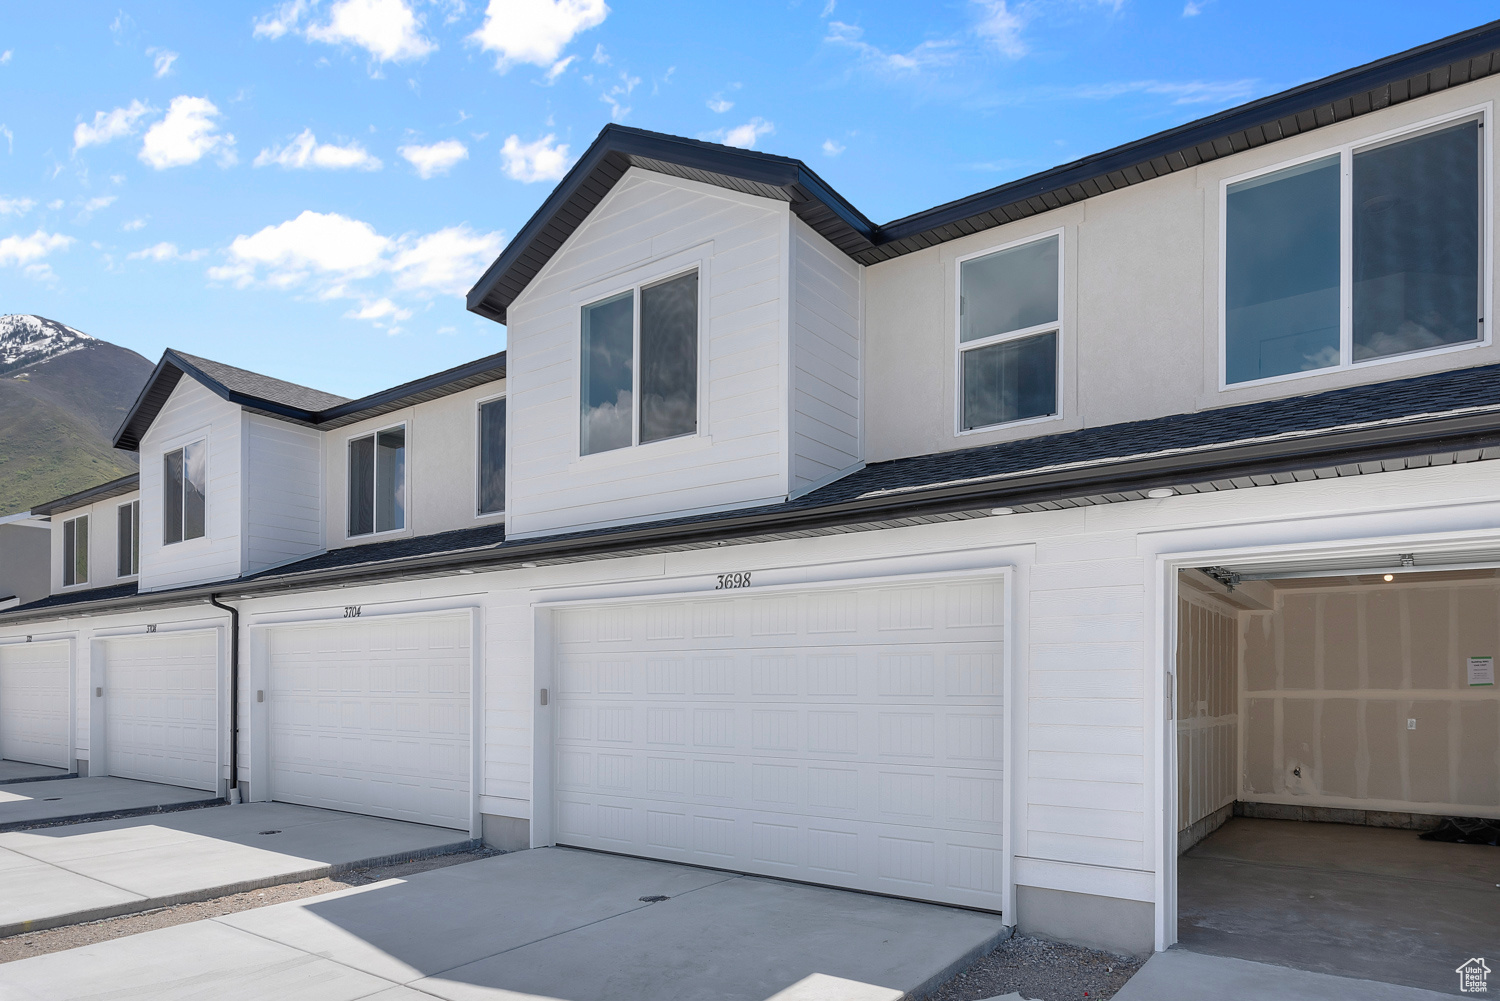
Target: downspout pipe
[(234, 696)]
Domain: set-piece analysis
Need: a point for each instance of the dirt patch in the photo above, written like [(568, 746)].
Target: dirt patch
[(70, 937), (1041, 971)]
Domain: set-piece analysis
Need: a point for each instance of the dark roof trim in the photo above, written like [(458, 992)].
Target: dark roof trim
[(174, 365), (104, 491), (1451, 61), (616, 150), (1471, 433)]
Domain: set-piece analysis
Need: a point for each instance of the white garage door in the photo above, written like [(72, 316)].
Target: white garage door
[(372, 716), (34, 703), (847, 736), (160, 708)]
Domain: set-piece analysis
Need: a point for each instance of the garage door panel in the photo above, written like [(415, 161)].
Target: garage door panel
[(848, 735), (161, 717), (34, 703), (373, 717)]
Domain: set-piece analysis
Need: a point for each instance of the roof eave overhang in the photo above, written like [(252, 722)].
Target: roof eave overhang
[(1230, 466), (129, 483)]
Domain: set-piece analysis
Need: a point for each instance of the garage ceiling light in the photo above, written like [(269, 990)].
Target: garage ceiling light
[(1002, 510), (1161, 492)]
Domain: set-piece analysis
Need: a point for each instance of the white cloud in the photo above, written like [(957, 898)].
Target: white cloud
[(10, 139), (929, 54), (543, 160), (164, 252), (831, 148), (600, 56), (5, 57), (436, 158), (447, 261), (163, 61), (27, 250), (101, 202), (743, 136), (558, 68), (332, 257), (1193, 8), (536, 31), (387, 29), (16, 206), (379, 309), (281, 20), (1185, 92), (186, 135), (133, 225), (614, 97), (1001, 27), (718, 105), (110, 125), (306, 153)]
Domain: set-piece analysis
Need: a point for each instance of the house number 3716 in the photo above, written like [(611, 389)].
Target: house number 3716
[(730, 580)]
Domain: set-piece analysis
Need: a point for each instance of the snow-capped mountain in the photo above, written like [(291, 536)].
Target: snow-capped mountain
[(26, 340)]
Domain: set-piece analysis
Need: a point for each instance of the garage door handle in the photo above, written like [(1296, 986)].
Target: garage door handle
[(544, 696)]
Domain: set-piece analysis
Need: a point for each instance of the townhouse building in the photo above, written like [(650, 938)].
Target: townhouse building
[(990, 557)]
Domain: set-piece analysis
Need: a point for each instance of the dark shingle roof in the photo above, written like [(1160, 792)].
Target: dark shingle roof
[(87, 596), (114, 488), (263, 387)]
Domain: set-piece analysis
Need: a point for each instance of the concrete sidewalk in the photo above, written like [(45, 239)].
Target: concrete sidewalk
[(39, 802), (82, 872), (20, 771), (1179, 975), (545, 923)]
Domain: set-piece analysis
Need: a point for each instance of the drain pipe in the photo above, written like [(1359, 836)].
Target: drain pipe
[(234, 697)]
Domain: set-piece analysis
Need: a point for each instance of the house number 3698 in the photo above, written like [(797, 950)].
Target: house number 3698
[(729, 580)]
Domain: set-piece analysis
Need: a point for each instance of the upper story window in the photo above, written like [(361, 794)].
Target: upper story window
[(75, 568), (640, 345), (128, 540), (1358, 255), (492, 456), (377, 482), (1009, 326), (184, 492)]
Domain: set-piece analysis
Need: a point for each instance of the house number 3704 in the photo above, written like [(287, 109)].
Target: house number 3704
[(730, 580)]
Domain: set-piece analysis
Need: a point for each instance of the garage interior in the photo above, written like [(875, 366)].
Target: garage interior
[(1326, 718)]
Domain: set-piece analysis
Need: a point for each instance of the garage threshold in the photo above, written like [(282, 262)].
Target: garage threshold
[(102, 797), (13, 772), (85, 872)]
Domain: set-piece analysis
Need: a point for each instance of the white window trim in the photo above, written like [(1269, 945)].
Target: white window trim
[(1345, 152), (405, 427), (479, 454), (961, 347), (137, 529), (88, 555), (676, 266), (174, 445)]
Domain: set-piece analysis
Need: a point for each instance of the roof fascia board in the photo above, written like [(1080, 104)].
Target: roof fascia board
[(114, 488), (1435, 436), (347, 413)]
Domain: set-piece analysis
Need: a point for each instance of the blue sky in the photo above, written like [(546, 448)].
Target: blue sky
[(307, 188)]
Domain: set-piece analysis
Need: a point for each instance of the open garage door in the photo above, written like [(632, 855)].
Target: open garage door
[(850, 736), (372, 716), (161, 707), (34, 703)]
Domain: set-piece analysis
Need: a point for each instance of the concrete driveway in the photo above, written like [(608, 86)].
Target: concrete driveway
[(38, 802), (81, 872), (546, 923), (1183, 975), (20, 771)]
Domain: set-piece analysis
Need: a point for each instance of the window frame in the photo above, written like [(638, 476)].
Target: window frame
[(961, 347), (1483, 113), (88, 564), (405, 426), (601, 292), (181, 445), (135, 541), (479, 453)]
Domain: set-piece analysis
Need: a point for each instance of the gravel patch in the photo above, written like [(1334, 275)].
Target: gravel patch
[(1041, 971), (70, 937)]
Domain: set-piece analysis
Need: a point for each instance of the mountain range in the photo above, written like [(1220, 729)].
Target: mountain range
[(63, 394)]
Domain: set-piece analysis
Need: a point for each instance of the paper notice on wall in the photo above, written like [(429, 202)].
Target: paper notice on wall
[(1481, 671)]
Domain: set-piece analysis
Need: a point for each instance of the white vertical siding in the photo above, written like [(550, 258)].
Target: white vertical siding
[(192, 413), (649, 226), (284, 489), (826, 287)]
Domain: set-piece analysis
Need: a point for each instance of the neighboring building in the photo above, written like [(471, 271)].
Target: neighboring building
[(25, 539), (987, 557)]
